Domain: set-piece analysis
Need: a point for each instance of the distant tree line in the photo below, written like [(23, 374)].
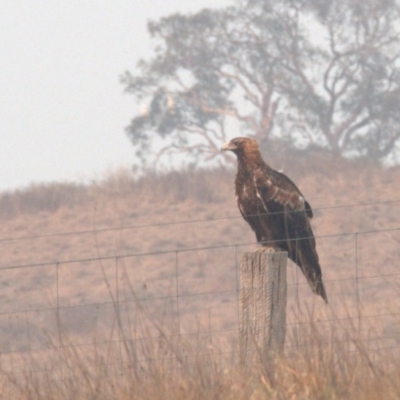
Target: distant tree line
[(304, 72)]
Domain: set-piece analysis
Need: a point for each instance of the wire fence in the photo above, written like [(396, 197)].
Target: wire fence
[(109, 305)]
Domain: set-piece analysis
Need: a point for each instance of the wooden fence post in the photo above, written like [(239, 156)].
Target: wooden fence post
[(262, 309)]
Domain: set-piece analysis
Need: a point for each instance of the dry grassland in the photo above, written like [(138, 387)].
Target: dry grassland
[(128, 289)]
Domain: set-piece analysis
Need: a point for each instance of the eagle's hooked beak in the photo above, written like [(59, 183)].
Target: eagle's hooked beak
[(228, 146)]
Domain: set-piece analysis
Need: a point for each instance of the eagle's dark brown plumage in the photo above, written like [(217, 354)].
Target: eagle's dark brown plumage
[(275, 209)]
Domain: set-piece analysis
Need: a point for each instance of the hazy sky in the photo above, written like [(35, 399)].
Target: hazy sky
[(62, 108)]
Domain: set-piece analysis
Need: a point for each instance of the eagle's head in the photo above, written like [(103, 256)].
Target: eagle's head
[(241, 146)]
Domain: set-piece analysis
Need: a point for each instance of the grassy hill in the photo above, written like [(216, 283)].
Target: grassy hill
[(167, 247)]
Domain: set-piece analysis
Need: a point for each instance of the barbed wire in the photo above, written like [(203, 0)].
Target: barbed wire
[(182, 222), (198, 335), (139, 299), (163, 336), (189, 249)]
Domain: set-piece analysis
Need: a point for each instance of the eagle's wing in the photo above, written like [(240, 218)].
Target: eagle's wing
[(280, 195), (278, 192)]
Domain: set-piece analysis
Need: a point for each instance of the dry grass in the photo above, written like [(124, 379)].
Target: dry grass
[(178, 368), (175, 187), (328, 357)]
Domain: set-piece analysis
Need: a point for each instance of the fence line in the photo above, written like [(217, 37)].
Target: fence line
[(189, 249), (178, 297), (181, 222), (57, 263), (196, 334), (138, 300), (127, 365)]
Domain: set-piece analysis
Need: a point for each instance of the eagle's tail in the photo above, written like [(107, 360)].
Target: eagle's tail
[(309, 264), (314, 279), (320, 290)]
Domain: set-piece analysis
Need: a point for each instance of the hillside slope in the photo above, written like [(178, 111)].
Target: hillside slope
[(175, 241)]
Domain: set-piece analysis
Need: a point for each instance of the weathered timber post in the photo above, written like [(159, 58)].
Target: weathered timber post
[(262, 308)]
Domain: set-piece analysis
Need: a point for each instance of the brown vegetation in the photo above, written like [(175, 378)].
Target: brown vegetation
[(196, 369), (82, 316)]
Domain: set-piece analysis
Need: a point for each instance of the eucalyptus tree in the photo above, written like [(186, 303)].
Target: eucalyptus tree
[(347, 95), (309, 72)]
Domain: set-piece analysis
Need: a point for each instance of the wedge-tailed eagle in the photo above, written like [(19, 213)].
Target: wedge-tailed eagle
[(275, 209)]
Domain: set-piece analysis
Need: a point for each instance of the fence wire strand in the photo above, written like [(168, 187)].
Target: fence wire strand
[(181, 222)]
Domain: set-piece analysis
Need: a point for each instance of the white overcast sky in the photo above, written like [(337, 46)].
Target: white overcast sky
[(62, 108)]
